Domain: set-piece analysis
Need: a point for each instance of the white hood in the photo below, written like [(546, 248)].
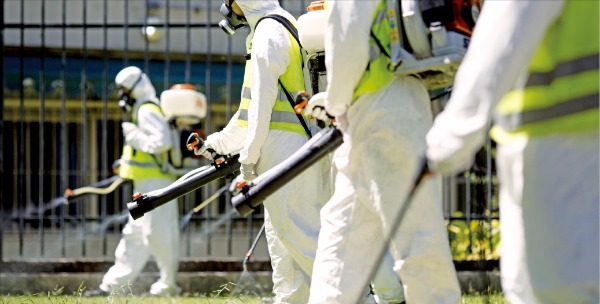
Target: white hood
[(144, 91)]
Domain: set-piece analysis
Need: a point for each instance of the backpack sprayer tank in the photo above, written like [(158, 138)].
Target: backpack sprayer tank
[(435, 35), (183, 104), (312, 37), (184, 108), (433, 39)]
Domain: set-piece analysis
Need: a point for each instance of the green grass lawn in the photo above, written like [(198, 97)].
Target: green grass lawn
[(227, 294), (212, 299)]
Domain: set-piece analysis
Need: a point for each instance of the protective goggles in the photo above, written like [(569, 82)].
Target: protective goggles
[(232, 21), (126, 101)]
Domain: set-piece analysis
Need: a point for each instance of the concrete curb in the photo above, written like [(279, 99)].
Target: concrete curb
[(195, 277)]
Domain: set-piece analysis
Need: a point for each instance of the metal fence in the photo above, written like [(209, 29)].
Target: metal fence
[(60, 126)]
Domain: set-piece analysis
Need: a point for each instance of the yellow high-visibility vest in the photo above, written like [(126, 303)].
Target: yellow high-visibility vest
[(561, 93), (377, 74), (136, 164), (283, 116)]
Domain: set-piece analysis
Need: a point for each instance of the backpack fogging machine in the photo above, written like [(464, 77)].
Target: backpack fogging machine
[(222, 166)]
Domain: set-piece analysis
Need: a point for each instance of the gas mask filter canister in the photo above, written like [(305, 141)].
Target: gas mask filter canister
[(126, 101), (232, 21)]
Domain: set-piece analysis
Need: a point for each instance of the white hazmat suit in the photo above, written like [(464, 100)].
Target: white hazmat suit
[(292, 213), (157, 232), (384, 135), (548, 184)]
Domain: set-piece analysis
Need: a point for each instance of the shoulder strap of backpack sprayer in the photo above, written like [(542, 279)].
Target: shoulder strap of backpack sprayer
[(292, 29)]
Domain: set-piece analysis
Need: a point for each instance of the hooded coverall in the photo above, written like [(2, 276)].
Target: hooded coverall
[(265, 138), (547, 135), (384, 119), (157, 232)]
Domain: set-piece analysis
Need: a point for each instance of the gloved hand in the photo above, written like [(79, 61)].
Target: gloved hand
[(129, 130), (128, 127), (233, 187), (447, 153), (206, 151), (316, 107), (247, 171)]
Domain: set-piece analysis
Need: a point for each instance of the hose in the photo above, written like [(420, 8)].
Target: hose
[(105, 186), (251, 250)]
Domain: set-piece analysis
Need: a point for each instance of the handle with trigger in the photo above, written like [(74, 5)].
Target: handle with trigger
[(194, 141), (301, 102)]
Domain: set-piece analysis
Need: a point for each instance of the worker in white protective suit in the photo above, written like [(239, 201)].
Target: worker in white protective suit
[(534, 65), (147, 137), (266, 131), (384, 119)]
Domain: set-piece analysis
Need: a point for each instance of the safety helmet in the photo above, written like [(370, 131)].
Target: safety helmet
[(126, 81), (232, 21)]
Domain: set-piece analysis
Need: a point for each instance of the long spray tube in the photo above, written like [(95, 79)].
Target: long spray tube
[(104, 186), (255, 192), (146, 202), (222, 166), (421, 175), (251, 250)]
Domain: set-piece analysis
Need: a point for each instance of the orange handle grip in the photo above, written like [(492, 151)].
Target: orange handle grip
[(192, 145), (193, 141), (242, 184), (298, 108)]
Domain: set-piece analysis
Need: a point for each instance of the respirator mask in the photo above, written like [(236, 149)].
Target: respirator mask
[(126, 101), (232, 21)]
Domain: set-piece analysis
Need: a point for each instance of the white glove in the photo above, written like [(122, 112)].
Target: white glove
[(247, 171), (129, 130), (233, 187), (205, 150), (128, 127), (316, 107), (447, 153)]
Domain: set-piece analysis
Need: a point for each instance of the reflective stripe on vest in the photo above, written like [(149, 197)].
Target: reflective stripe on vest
[(136, 164), (283, 116), (561, 92), (377, 74)]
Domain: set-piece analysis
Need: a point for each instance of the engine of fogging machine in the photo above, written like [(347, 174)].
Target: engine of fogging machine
[(225, 166), (257, 190)]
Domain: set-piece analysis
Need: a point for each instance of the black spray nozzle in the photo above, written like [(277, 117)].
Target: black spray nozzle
[(257, 190), (145, 202)]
